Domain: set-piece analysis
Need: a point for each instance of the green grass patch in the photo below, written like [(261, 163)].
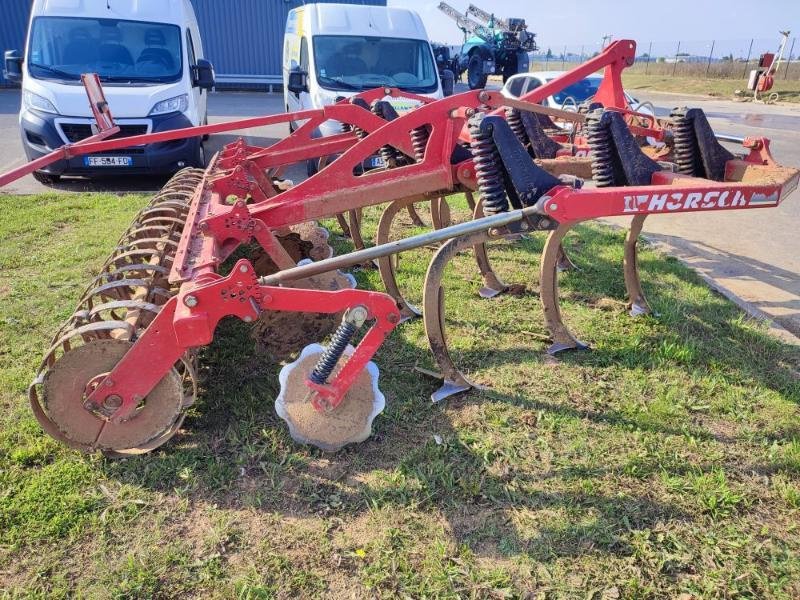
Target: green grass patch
[(665, 461)]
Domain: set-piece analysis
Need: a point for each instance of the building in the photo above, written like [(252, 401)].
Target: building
[(242, 38)]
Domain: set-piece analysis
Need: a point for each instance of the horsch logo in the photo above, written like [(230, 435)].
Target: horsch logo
[(670, 201)]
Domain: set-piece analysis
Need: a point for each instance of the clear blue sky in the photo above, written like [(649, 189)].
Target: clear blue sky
[(573, 22)]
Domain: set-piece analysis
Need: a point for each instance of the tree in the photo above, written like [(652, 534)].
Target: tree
[(549, 54)]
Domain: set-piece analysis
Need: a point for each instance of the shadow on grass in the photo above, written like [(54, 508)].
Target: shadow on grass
[(235, 452)]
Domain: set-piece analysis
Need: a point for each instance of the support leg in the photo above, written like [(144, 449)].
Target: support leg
[(637, 303), (548, 292), (492, 284)]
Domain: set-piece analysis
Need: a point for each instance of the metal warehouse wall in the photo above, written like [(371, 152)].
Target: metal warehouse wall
[(243, 38), (13, 26)]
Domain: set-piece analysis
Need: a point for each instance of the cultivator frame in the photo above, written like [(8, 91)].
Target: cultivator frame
[(462, 143)]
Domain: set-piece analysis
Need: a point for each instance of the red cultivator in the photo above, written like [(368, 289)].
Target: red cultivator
[(120, 372)]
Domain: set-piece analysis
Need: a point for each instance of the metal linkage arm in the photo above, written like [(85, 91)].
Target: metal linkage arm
[(189, 320)]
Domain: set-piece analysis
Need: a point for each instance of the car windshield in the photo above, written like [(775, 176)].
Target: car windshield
[(580, 91), (351, 62), (63, 48)]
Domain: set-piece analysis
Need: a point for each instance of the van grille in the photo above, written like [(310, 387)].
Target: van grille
[(75, 132)]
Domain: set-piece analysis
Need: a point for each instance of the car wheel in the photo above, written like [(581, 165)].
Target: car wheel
[(312, 166), (46, 178), (200, 156)]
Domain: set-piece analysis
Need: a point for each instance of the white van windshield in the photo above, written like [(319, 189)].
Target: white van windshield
[(62, 48), (353, 62)]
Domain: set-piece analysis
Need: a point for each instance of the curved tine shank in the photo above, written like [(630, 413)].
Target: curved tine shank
[(492, 284), (433, 315), (470, 200), (354, 218), (415, 218), (440, 213), (343, 224), (386, 265), (548, 292), (564, 261), (637, 303)]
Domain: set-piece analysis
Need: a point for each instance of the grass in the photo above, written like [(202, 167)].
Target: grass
[(663, 463), (637, 79)]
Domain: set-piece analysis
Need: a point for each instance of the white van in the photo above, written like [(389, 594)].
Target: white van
[(334, 51), (149, 56)]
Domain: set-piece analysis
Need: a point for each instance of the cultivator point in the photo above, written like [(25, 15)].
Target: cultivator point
[(120, 372)]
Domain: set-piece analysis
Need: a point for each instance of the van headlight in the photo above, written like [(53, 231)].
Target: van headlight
[(170, 105), (31, 100)]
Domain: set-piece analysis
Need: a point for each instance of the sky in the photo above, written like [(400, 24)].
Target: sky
[(574, 22)]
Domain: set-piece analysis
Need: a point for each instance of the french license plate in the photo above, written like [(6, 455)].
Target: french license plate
[(375, 162), (107, 161)]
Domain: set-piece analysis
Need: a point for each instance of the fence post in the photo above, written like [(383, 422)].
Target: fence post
[(649, 52), (789, 59), (563, 58), (747, 62), (675, 66), (710, 54)]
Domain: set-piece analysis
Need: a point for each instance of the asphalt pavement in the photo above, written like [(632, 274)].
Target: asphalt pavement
[(753, 256)]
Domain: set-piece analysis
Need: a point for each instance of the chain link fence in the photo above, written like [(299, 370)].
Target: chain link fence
[(721, 59)]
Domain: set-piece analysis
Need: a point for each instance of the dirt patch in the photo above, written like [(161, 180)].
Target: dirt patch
[(346, 422)]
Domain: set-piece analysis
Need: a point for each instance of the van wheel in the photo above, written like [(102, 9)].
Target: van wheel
[(200, 156), (312, 166), (46, 178)]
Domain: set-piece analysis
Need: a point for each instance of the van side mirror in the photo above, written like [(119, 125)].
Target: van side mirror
[(12, 66), (298, 81), (203, 74)]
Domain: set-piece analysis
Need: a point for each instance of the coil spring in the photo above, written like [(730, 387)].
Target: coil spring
[(333, 352), (387, 153), (346, 127), (419, 141), (601, 150), (684, 148), (514, 120), (487, 169)]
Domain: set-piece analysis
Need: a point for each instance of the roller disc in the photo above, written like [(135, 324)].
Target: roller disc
[(63, 395), (348, 423)]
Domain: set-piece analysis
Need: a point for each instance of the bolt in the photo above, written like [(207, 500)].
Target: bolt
[(466, 174), (553, 206), (109, 382), (544, 223), (359, 314), (248, 319), (190, 301), (483, 96), (243, 269), (113, 402)]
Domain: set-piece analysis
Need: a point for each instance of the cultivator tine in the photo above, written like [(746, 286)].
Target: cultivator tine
[(561, 336), (454, 381), (386, 265), (637, 303)]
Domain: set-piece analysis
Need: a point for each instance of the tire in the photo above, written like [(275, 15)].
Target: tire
[(476, 78), (46, 178), (199, 160), (509, 69), (312, 166)]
